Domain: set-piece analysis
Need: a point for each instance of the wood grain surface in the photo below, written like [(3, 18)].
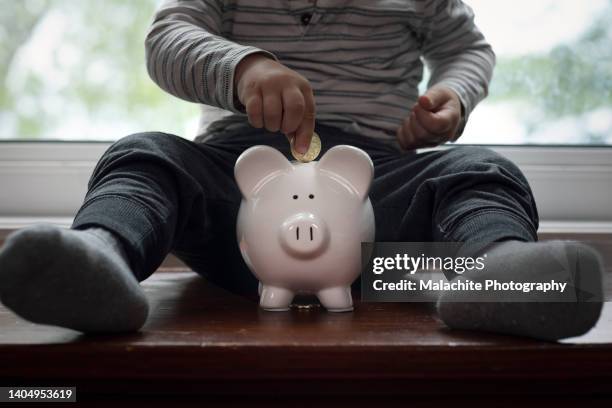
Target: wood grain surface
[(201, 339), (203, 342)]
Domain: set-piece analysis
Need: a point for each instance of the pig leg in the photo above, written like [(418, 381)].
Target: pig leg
[(275, 299), (336, 299)]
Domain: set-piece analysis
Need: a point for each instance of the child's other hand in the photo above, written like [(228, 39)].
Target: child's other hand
[(277, 98), (434, 120)]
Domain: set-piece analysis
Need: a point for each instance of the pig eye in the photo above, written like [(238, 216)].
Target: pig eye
[(295, 197), (311, 196)]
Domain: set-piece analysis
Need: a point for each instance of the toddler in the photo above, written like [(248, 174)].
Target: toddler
[(347, 69)]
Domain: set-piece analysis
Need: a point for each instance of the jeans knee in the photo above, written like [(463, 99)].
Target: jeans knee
[(482, 159), (146, 141), (488, 171), (136, 148)]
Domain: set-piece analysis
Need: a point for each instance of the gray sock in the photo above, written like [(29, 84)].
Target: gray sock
[(534, 315), (74, 279)]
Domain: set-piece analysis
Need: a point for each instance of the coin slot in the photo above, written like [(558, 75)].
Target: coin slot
[(297, 233), (311, 233)]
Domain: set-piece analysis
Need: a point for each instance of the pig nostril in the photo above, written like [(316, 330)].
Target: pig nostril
[(295, 197), (311, 196), (304, 235)]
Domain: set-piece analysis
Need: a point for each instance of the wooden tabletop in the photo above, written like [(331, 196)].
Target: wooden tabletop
[(201, 339)]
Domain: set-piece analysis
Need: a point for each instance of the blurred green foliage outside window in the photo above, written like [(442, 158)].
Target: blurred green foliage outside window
[(74, 70)]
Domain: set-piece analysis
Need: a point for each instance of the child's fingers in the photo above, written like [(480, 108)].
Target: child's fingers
[(433, 99), (303, 134), (418, 131), (254, 109), (272, 111), (410, 133), (293, 109), (439, 123), (426, 102), (408, 140), (404, 136), (421, 137)]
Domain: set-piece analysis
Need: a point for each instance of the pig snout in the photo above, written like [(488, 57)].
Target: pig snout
[(304, 235)]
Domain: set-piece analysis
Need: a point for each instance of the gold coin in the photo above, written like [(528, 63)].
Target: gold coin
[(313, 150)]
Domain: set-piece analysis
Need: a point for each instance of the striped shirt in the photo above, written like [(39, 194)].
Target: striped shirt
[(363, 58)]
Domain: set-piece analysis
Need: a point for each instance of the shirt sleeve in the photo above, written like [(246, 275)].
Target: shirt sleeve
[(188, 57), (457, 53)]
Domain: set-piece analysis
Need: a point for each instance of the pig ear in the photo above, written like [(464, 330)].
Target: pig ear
[(350, 163), (257, 164)]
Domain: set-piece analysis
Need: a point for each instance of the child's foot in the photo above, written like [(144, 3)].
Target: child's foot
[(74, 279), (571, 315)]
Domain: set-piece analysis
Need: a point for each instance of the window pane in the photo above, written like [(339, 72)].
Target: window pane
[(75, 70), (553, 80)]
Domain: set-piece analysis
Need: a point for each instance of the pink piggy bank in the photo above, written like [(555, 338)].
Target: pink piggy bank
[(300, 225)]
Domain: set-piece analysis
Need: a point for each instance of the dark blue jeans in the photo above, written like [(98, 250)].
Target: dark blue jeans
[(160, 193)]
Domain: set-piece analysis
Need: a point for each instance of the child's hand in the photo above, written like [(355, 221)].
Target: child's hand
[(434, 119), (277, 98)]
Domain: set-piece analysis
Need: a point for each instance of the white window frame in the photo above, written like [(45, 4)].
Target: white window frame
[(46, 181)]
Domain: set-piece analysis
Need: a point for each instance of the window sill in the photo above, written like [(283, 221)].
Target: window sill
[(571, 184)]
